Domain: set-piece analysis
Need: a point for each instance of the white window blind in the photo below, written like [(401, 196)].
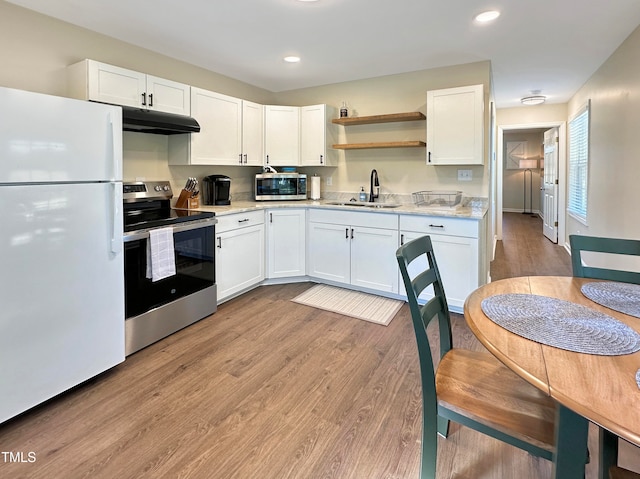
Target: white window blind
[(579, 164)]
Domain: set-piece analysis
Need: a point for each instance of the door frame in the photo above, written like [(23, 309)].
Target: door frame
[(562, 174)]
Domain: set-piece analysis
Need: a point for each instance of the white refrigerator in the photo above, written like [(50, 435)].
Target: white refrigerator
[(61, 255)]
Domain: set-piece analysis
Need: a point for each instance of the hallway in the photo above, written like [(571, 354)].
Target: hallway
[(525, 251)]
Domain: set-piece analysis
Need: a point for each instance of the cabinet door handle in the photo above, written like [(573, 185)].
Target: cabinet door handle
[(245, 158), (351, 233), (240, 157), (429, 157), (150, 99), (144, 99), (270, 217), (346, 233), (401, 240), (219, 242), (321, 159), (436, 226), (267, 159)]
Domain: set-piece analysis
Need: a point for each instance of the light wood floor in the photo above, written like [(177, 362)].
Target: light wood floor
[(265, 388)]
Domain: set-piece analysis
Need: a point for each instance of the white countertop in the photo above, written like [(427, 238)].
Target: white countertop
[(476, 210)]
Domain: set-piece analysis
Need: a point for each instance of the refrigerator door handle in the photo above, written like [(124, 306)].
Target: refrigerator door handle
[(116, 219)]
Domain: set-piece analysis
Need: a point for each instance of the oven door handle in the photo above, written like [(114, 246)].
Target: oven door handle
[(192, 225)]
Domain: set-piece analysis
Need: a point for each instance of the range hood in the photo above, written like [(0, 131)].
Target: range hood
[(157, 122)]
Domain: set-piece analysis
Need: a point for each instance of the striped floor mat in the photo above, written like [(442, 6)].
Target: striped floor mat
[(368, 307)]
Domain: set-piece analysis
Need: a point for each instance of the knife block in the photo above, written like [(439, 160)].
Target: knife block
[(183, 199)]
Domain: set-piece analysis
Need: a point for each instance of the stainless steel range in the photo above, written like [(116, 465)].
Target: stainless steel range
[(156, 308)]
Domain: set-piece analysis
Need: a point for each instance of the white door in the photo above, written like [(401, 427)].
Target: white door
[(550, 185), (168, 96), (239, 260), (252, 133), (312, 135), (373, 259), (282, 135), (329, 252), (220, 139), (286, 243)]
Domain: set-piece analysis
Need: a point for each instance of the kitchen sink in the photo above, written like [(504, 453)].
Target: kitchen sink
[(363, 204)]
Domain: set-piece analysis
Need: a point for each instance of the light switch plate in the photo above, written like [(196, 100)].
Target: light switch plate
[(465, 175), (329, 180)]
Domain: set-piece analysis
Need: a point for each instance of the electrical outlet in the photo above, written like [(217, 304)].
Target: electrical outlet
[(329, 181), (465, 175)]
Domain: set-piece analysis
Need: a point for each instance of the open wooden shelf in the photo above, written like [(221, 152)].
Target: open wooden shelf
[(385, 144), (368, 120)]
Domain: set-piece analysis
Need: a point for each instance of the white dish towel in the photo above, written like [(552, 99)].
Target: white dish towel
[(161, 260)]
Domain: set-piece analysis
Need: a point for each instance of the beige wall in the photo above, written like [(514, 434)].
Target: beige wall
[(400, 170), (36, 49), (614, 162)]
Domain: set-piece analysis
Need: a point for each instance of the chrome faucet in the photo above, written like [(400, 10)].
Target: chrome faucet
[(374, 183)]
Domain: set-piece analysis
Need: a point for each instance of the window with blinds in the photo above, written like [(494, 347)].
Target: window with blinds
[(579, 164)]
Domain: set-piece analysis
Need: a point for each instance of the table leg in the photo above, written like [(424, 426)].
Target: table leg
[(570, 457)]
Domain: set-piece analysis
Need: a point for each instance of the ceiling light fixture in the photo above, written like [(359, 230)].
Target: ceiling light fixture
[(487, 16), (533, 100), (292, 59)]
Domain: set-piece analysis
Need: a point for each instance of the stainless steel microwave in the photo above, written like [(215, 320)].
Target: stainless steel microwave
[(280, 186)]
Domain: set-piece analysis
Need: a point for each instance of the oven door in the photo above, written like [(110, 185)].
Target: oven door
[(195, 267)]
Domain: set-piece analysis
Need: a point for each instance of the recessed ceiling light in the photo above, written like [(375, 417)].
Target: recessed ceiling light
[(487, 16), (292, 59)]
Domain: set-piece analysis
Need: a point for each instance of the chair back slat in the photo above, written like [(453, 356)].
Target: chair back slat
[(596, 244), (436, 307)]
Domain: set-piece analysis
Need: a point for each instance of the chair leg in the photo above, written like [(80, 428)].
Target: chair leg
[(608, 444), (429, 449), (443, 426)]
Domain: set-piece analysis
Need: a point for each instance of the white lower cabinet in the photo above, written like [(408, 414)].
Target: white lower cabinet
[(239, 253), (286, 244), (456, 247), (354, 248)]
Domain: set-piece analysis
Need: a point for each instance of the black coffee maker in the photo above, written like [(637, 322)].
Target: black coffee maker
[(217, 190)]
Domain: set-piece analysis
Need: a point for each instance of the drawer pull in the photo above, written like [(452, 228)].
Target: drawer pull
[(436, 226), (243, 221)]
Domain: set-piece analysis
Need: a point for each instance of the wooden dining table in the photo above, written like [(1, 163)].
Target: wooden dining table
[(587, 387)]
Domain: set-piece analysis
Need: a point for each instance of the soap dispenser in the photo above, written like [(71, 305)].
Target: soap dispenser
[(363, 195)]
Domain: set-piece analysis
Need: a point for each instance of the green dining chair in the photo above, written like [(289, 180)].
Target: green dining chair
[(618, 473), (470, 388), (579, 244)]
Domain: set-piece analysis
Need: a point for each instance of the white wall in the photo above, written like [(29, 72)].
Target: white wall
[(400, 170)]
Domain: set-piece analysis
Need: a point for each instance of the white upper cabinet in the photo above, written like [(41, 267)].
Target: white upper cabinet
[(231, 132), (455, 126), (96, 81), (282, 135), (252, 133), (317, 135), (219, 141)]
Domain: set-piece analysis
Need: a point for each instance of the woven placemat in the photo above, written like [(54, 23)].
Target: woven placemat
[(622, 297), (561, 324)]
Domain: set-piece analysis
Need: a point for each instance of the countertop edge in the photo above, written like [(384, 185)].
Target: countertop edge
[(474, 213)]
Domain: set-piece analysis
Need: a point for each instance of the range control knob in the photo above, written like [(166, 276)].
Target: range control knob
[(157, 188), (166, 188)]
